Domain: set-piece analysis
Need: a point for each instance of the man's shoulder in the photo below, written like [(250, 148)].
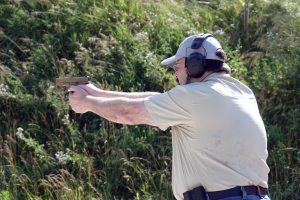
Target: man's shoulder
[(219, 84), (222, 77), (228, 85)]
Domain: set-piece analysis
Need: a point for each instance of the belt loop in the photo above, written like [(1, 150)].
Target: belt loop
[(207, 197), (244, 192), (188, 195), (259, 193)]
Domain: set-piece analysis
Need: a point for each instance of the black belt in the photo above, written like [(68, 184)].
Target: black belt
[(199, 193)]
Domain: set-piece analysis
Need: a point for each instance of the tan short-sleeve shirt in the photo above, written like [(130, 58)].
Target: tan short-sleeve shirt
[(218, 136)]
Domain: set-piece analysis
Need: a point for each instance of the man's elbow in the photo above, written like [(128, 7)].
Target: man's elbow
[(129, 119), (136, 114)]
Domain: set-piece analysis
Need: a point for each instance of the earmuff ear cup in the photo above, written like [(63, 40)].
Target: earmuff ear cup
[(195, 65)]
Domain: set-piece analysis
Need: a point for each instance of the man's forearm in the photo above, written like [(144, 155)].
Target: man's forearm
[(129, 95), (111, 109), (120, 110)]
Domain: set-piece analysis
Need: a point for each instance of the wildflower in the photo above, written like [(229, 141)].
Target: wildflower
[(270, 35), (3, 89), (61, 157), (19, 133), (66, 119), (142, 36), (149, 55), (192, 31), (220, 32)]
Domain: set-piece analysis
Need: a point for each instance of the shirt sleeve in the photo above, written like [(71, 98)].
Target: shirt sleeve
[(170, 108)]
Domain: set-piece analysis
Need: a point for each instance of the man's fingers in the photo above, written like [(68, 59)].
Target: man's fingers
[(73, 88), (78, 90)]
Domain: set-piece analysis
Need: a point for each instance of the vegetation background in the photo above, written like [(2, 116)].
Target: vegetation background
[(49, 152)]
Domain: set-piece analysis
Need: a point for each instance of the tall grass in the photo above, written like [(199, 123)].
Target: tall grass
[(49, 152)]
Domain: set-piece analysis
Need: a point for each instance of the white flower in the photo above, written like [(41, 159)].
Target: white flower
[(192, 31), (19, 135), (61, 157), (220, 32), (149, 55), (141, 36), (19, 132)]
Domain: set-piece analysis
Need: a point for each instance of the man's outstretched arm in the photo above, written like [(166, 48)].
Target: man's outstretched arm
[(97, 92), (119, 110)]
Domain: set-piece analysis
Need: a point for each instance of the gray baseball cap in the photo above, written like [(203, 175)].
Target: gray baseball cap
[(209, 48)]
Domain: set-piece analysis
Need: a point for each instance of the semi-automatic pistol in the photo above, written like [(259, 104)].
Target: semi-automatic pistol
[(72, 81)]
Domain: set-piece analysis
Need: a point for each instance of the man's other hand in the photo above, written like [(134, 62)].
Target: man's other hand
[(91, 90), (77, 99)]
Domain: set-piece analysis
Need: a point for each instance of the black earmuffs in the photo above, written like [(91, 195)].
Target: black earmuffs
[(195, 63)]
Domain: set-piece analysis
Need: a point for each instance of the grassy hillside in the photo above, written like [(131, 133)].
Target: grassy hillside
[(49, 152)]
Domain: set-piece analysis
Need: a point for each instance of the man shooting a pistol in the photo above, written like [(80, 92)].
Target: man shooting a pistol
[(218, 136)]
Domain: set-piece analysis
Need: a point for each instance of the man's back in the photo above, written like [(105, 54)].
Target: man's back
[(219, 140)]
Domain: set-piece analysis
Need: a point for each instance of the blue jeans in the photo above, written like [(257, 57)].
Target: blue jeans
[(249, 197)]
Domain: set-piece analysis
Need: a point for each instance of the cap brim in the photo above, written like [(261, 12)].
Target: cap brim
[(170, 60)]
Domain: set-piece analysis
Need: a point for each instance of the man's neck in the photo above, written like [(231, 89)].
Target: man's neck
[(200, 79)]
